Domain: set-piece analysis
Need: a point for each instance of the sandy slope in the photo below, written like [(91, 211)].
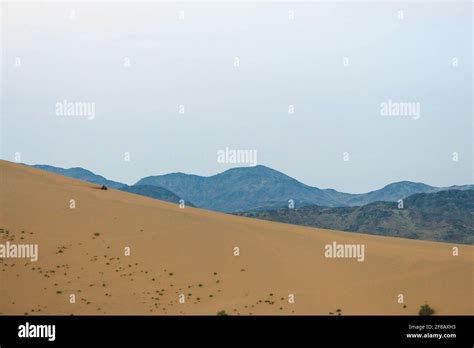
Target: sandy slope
[(174, 251)]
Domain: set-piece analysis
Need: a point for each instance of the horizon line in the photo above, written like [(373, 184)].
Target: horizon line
[(242, 167)]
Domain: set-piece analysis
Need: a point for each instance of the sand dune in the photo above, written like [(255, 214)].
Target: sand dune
[(190, 251)]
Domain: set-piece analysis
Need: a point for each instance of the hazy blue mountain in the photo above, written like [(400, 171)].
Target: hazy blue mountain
[(260, 187), (155, 192), (445, 216), (80, 174), (454, 187), (88, 176), (239, 189), (250, 188), (389, 193)]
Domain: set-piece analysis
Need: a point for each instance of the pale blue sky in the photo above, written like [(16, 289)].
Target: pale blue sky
[(282, 62)]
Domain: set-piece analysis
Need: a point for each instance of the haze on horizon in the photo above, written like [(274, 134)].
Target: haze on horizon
[(333, 63)]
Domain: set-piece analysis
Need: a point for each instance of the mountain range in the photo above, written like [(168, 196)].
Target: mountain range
[(260, 187), (444, 216), (155, 192), (249, 188), (81, 174), (430, 213)]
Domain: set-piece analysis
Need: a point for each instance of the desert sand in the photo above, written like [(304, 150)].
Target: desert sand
[(190, 251)]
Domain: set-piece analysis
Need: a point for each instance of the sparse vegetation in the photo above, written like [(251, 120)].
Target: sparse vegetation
[(426, 310), (222, 313), (338, 312)]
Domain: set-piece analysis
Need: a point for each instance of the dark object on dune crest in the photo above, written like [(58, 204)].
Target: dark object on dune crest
[(103, 187), (222, 313)]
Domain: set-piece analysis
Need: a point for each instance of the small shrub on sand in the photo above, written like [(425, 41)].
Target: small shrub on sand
[(222, 313), (426, 310)]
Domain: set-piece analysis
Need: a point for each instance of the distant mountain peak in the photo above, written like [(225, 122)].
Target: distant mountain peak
[(260, 169), (407, 183)]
